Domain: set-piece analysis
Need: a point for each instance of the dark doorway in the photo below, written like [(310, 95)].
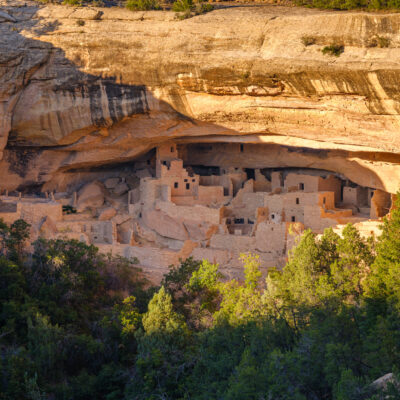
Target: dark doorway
[(250, 173)]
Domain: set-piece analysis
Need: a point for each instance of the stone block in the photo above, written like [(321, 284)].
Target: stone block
[(121, 188), (107, 214)]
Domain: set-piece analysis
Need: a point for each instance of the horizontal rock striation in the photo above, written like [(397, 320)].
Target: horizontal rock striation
[(87, 87)]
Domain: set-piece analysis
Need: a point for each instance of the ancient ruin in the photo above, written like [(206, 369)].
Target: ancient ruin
[(168, 207), (210, 136)]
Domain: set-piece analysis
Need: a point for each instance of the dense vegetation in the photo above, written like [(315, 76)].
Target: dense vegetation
[(145, 5), (350, 4), (75, 324)]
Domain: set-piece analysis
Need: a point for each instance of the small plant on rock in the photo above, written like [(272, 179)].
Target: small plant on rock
[(379, 41), (383, 42), (333, 50), (80, 22)]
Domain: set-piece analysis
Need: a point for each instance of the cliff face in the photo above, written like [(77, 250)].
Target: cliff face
[(84, 87)]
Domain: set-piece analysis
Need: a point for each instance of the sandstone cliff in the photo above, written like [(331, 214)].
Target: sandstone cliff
[(108, 88)]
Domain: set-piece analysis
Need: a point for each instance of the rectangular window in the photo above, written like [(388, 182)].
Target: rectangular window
[(176, 185), (241, 148), (187, 186), (324, 200), (172, 149), (186, 180), (293, 219), (297, 200), (301, 186), (193, 180)]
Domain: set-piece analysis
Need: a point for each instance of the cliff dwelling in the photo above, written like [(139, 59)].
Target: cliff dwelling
[(205, 200), (210, 144)]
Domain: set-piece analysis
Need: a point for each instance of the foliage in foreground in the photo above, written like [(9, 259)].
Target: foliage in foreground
[(75, 324)]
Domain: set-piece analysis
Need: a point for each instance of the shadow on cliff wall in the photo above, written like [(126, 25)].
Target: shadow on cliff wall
[(61, 113), (58, 112)]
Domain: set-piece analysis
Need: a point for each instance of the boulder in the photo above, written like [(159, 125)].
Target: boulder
[(164, 225), (107, 214), (6, 17), (111, 183), (200, 231), (121, 189), (48, 229), (90, 196), (381, 384)]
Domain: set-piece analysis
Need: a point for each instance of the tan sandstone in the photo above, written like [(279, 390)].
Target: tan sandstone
[(75, 97)]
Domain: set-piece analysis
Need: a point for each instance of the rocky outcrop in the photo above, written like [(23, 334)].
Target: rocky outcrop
[(86, 87), (90, 196)]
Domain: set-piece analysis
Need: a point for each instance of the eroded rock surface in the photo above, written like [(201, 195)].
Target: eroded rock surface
[(118, 83)]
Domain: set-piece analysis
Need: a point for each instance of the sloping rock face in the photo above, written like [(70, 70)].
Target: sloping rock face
[(86, 87)]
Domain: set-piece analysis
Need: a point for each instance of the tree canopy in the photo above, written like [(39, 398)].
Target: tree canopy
[(77, 324)]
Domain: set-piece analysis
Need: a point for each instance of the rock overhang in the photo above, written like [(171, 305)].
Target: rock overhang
[(109, 91)]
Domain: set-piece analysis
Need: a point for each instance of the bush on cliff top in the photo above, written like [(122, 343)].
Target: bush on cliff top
[(142, 5), (189, 9), (350, 4)]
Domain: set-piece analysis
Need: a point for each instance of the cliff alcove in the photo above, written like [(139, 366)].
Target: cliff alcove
[(87, 112), (205, 199)]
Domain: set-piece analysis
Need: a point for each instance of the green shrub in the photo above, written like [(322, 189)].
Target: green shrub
[(80, 22), (182, 5), (350, 4), (68, 209), (188, 9), (383, 42), (72, 2), (379, 41), (333, 50), (142, 5), (202, 8)]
